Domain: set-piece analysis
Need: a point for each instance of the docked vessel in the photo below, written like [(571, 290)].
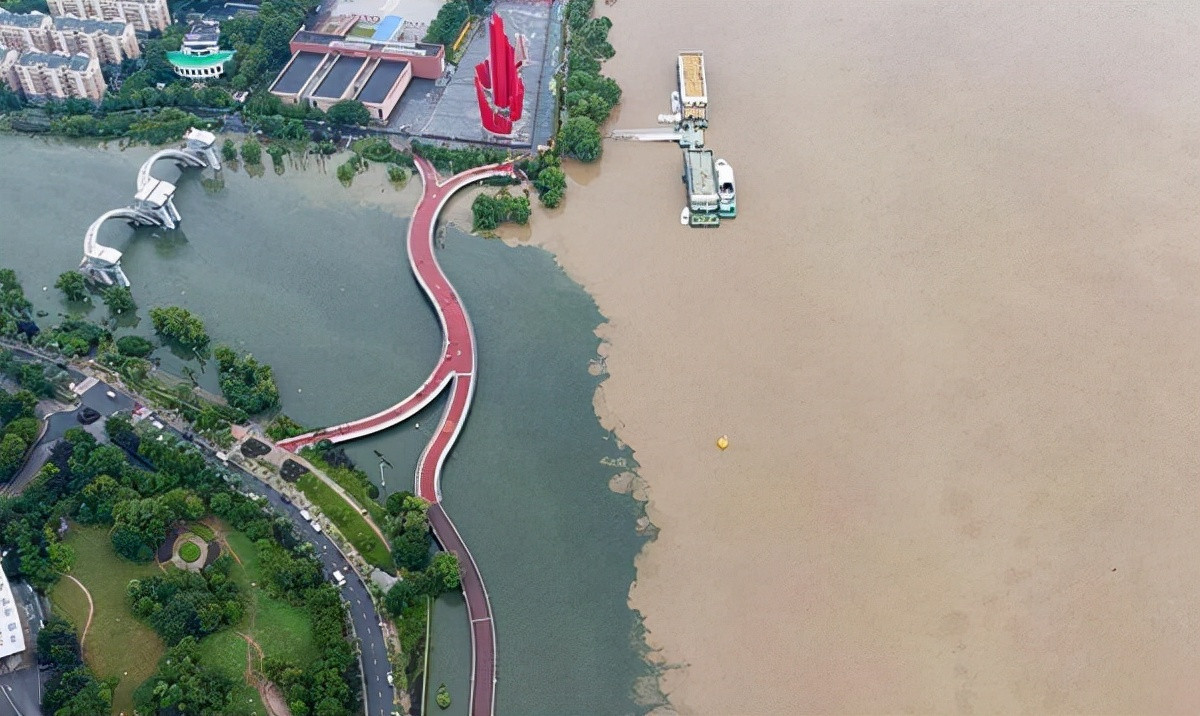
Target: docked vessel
[(699, 174), (726, 192)]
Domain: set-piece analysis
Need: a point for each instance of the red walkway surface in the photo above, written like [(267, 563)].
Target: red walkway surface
[(456, 368)]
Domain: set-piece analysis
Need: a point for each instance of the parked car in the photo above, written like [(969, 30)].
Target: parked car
[(87, 416), (306, 515)]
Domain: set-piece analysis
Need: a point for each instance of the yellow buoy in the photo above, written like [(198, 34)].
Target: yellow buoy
[(723, 442)]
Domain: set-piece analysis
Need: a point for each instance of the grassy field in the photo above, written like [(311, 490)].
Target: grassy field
[(279, 628), (107, 648), (348, 521), (349, 481)]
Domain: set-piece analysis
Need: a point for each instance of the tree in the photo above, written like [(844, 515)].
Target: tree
[(349, 111), (58, 646), (12, 454), (181, 325), (73, 285), (119, 300), (228, 149), (247, 384), (135, 346), (551, 184), (400, 597), (26, 428), (410, 550), (252, 152), (16, 404), (445, 571), (580, 138)]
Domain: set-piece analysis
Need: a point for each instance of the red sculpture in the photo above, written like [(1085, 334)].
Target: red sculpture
[(498, 85)]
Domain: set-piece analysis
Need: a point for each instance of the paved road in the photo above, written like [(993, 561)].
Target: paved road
[(379, 696)]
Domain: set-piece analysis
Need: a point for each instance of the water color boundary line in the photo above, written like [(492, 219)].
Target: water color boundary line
[(457, 369)]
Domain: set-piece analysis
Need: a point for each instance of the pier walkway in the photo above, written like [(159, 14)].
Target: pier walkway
[(456, 368)]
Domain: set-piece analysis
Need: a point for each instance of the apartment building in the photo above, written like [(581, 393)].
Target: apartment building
[(44, 75), (109, 42), (145, 15)]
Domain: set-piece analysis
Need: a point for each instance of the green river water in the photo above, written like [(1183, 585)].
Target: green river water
[(295, 270)]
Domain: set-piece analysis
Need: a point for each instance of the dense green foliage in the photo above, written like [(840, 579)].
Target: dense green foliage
[(29, 375), (229, 150), (579, 137), (182, 685), (18, 430), (134, 346), (252, 152), (453, 161), (181, 325), (247, 384), (347, 170), (491, 211), (349, 111), (397, 174), (281, 426), (180, 603), (448, 23), (379, 149), (443, 697), (408, 524), (119, 300), (73, 337), (189, 552), (73, 285), (157, 127)]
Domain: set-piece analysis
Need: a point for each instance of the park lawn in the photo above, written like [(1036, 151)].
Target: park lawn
[(349, 482), (348, 521), (226, 652), (283, 631), (114, 628)]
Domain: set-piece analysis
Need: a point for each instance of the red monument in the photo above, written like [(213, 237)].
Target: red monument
[(498, 84)]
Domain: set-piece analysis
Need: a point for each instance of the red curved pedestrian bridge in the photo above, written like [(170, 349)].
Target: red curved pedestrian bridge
[(456, 368)]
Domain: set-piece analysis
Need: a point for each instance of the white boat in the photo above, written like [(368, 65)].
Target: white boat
[(685, 216), (726, 192)]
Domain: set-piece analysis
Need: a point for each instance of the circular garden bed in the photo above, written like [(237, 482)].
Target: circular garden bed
[(189, 552)]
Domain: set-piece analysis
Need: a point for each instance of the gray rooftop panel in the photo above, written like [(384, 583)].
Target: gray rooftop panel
[(381, 81), (88, 25), (338, 79), (12, 19), (74, 62), (298, 72)]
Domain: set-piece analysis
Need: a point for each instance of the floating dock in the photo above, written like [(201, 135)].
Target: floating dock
[(687, 121)]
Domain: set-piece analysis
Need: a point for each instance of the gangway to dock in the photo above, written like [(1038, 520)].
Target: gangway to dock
[(658, 134)]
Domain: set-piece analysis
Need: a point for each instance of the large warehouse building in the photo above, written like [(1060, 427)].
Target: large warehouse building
[(327, 67)]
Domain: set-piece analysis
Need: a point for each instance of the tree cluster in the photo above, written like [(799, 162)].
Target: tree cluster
[(251, 152), (29, 375), (73, 337), (491, 211), (590, 96), (182, 685), (18, 430), (453, 161), (181, 325), (448, 23), (408, 525), (73, 689), (180, 603), (321, 688), (247, 384), (14, 307)]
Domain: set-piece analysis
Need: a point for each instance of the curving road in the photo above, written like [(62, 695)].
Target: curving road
[(456, 369), (378, 696)]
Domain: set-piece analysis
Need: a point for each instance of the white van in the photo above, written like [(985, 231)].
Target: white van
[(306, 515), (338, 578), (316, 527)]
